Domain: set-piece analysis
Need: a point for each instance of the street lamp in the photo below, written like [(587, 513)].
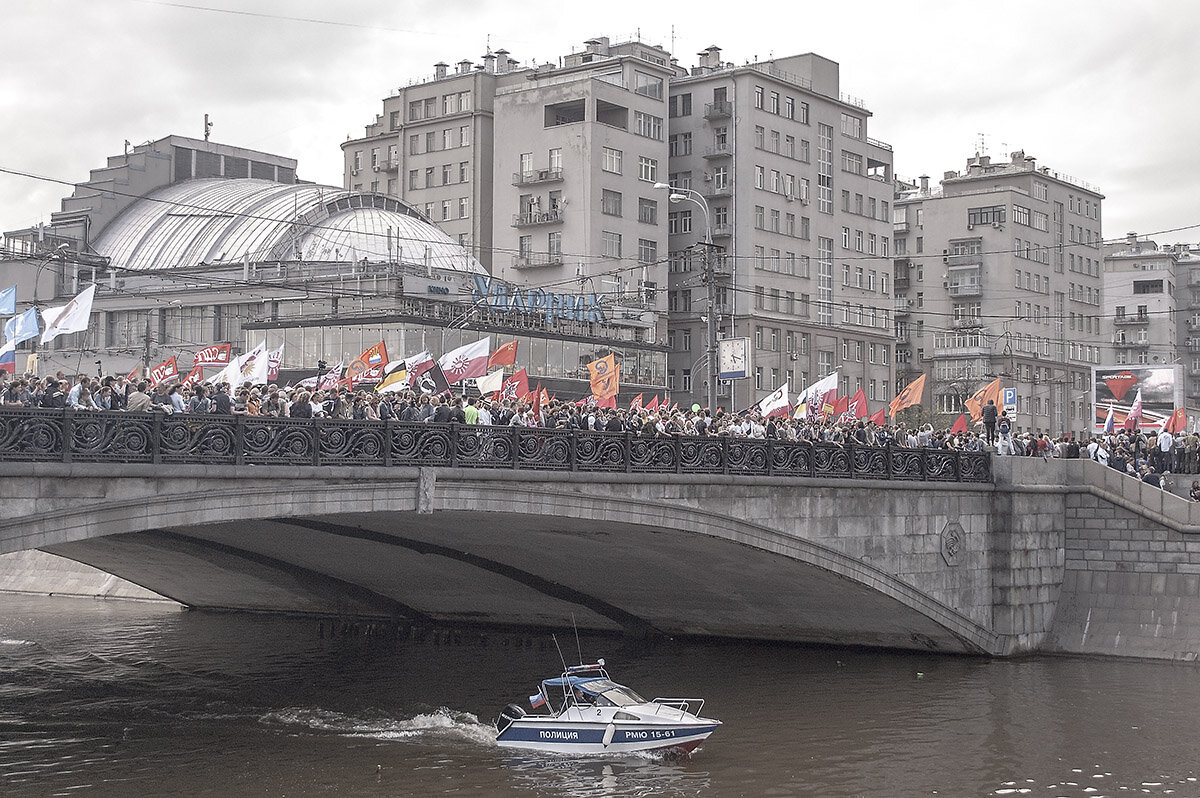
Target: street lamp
[(676, 196)]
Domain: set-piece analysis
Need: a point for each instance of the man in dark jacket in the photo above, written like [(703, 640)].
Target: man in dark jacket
[(989, 421)]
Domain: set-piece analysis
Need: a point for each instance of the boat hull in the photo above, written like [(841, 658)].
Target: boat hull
[(589, 738)]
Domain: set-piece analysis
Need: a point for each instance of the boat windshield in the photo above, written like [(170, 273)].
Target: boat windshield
[(609, 693)]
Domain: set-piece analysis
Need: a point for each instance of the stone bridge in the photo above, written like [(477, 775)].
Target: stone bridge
[(877, 547)]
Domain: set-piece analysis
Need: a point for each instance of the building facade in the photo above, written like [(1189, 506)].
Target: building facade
[(998, 273)]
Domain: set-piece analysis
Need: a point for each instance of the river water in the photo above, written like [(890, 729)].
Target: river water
[(127, 699)]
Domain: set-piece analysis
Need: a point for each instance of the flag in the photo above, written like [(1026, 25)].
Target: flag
[(840, 406), (194, 377), (164, 371), (1109, 423), (250, 367), (432, 381), (504, 356), (491, 383), (135, 374), (516, 386), (911, 395), (466, 362), (214, 355), (537, 406), (274, 359), (636, 404), (980, 398), (395, 377), (877, 418), (22, 328), (8, 358), (1135, 412), (8, 301), (367, 366), (1177, 422), (331, 378), (653, 404), (605, 376), (611, 401), (960, 425), (827, 404), (857, 408), (810, 398), (536, 701), (71, 317), (777, 404)]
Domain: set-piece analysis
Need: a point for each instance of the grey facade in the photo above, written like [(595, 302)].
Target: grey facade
[(998, 274)]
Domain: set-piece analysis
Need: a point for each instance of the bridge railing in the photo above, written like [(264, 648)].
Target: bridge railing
[(38, 435)]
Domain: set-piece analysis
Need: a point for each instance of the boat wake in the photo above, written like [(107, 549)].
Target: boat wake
[(442, 724)]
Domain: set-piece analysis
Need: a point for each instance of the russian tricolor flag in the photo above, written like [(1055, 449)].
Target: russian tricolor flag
[(536, 701), (8, 358)]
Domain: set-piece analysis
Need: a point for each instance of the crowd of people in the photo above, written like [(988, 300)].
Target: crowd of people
[(1146, 455)]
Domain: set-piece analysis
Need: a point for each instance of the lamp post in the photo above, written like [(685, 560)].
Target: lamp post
[(676, 196), (57, 252)]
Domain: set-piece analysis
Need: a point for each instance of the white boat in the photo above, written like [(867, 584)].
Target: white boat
[(588, 713)]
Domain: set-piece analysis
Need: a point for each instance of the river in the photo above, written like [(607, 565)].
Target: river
[(130, 699)]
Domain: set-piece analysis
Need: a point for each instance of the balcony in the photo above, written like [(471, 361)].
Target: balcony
[(719, 110), (537, 260), (903, 307), (713, 191), (722, 230), (1123, 343), (902, 282), (537, 176), (965, 289), (1143, 318), (534, 218), (968, 323), (718, 151), (899, 227), (953, 261)]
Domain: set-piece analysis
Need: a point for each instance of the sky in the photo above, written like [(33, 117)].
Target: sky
[(1107, 91)]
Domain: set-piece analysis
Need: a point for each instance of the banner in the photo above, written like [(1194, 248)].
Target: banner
[(491, 383), (331, 378), (250, 367), (215, 355), (976, 403), (808, 404), (194, 377), (164, 372), (605, 377), (8, 301)]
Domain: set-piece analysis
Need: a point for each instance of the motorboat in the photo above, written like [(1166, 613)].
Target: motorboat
[(586, 712)]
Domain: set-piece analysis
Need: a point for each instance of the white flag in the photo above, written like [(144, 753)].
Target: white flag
[(813, 394), (491, 383), (71, 317), (273, 360), (466, 361), (777, 403), (250, 367)]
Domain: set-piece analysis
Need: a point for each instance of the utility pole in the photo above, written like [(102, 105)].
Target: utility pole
[(146, 351), (710, 280)]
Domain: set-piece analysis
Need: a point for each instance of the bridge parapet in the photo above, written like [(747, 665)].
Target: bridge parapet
[(39, 435)]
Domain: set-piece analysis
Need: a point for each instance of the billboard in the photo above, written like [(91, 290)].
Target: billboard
[(1117, 387)]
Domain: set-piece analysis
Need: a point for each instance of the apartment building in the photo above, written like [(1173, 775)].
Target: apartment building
[(998, 272), (797, 197)]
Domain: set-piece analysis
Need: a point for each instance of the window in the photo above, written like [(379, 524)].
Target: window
[(647, 250), (612, 244), (447, 206), (1020, 215), (554, 158), (414, 145), (679, 222), (760, 177), (721, 177), (464, 136), (611, 161), (992, 214), (610, 202), (758, 97), (851, 126), (647, 125), (464, 207), (647, 85), (679, 144), (852, 162), (647, 211), (464, 171), (803, 116), (414, 175), (680, 105), (760, 137), (760, 217), (825, 168), (648, 169), (789, 108), (554, 245), (789, 146)]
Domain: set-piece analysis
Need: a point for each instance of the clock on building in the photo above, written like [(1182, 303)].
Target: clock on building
[(733, 358)]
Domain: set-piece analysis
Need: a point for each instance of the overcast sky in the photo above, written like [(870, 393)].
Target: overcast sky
[(1105, 90)]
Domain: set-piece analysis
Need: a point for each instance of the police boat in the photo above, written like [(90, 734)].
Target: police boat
[(586, 712)]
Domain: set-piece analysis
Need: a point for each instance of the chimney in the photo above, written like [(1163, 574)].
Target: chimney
[(1132, 242), (924, 184), (710, 57), (439, 70), (1018, 158), (503, 63), (489, 63), (598, 45), (464, 67)]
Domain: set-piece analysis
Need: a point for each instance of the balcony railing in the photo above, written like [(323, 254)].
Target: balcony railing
[(903, 306), (536, 260), (537, 176), (1140, 318), (719, 151), (975, 259), (965, 289), (718, 110), (899, 227), (722, 230), (115, 437), (531, 218)]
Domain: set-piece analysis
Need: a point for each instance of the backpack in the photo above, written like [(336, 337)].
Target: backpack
[(1004, 426)]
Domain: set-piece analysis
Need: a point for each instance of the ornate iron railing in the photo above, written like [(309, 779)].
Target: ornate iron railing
[(37, 435)]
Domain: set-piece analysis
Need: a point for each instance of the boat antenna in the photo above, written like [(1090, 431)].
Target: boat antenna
[(561, 658), (577, 646)]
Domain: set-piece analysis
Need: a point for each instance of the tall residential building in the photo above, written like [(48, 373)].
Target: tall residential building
[(797, 196), (998, 273)]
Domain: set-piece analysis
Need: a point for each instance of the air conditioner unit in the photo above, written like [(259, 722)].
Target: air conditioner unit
[(353, 171), (804, 200), (970, 227), (788, 196)]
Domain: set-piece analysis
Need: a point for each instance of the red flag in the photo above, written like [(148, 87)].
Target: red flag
[(911, 395), (653, 403), (636, 404), (133, 375), (194, 377), (827, 404), (841, 405), (857, 406), (877, 418), (164, 371), (610, 401), (516, 386), (215, 355), (504, 356), (537, 405), (960, 425), (1177, 422)]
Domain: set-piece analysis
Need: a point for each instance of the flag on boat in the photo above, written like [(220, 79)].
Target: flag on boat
[(71, 317), (214, 355), (22, 328), (8, 301), (504, 356), (536, 701), (466, 362), (911, 395)]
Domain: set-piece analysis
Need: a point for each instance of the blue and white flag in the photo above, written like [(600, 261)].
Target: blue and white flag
[(8, 301), (22, 328)]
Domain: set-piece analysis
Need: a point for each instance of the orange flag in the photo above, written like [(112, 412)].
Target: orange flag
[(605, 376), (911, 395), (504, 356), (980, 398), (368, 365)]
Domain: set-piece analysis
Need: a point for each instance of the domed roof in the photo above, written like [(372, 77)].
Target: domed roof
[(211, 221)]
